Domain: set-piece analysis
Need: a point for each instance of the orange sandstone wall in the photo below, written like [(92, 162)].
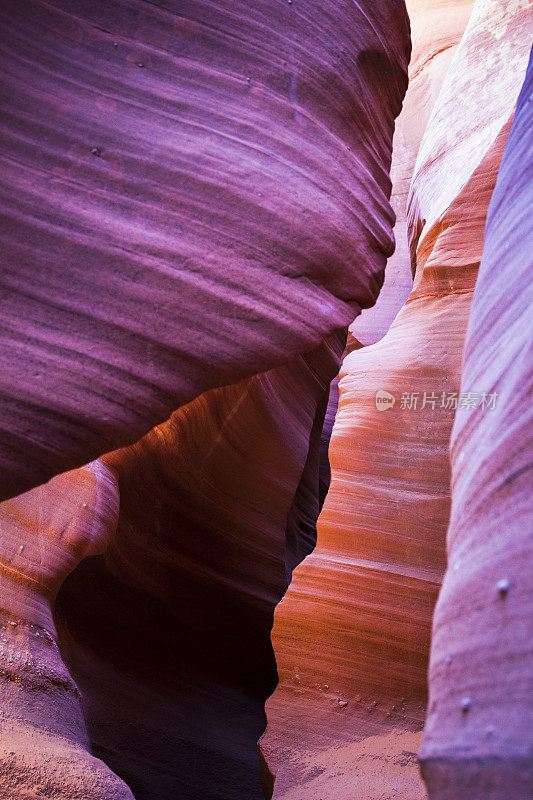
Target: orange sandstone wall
[(352, 634), (162, 656), (436, 28), (478, 736), (192, 578), (44, 746)]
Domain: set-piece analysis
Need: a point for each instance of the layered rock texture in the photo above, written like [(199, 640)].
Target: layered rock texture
[(192, 578), (478, 740), (352, 634), (44, 747), (191, 193), (436, 28), (196, 205)]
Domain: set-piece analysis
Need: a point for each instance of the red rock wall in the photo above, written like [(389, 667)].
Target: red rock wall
[(352, 634), (478, 735), (192, 578), (44, 747), (193, 200), (196, 204)]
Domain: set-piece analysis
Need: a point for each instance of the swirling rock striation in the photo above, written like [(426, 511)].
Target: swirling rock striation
[(195, 203), (352, 634), (191, 193), (171, 645), (478, 735), (191, 580), (435, 30)]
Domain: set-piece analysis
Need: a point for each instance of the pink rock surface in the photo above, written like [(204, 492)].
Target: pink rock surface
[(196, 203), (167, 638), (44, 748), (352, 634), (478, 736), (190, 196), (436, 28), (193, 200)]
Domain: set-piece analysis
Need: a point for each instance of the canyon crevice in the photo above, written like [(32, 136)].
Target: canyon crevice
[(196, 206), (352, 634), (206, 370)]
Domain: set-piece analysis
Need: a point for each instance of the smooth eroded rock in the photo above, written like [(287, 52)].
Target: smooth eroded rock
[(478, 736), (44, 747), (191, 193), (352, 634)]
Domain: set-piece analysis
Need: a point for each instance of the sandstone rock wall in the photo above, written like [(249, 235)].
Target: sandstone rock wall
[(192, 579), (166, 639), (436, 28), (352, 634), (44, 747), (191, 194), (478, 735), (196, 205)]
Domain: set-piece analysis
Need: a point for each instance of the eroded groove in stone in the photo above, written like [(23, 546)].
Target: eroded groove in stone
[(196, 202), (192, 579)]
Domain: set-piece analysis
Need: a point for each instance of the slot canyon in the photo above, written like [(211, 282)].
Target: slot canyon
[(266, 394)]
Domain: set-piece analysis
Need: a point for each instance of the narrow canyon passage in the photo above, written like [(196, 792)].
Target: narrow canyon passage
[(196, 205), (206, 370), (352, 634), (177, 617)]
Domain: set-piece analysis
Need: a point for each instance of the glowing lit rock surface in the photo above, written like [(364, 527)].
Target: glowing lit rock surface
[(478, 737), (194, 199), (191, 202), (436, 28), (44, 748), (352, 634), (192, 578)]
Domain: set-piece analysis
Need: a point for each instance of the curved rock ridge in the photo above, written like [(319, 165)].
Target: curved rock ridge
[(216, 210), (435, 31), (192, 579), (44, 748), (478, 736), (191, 193), (494, 49), (352, 634)]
